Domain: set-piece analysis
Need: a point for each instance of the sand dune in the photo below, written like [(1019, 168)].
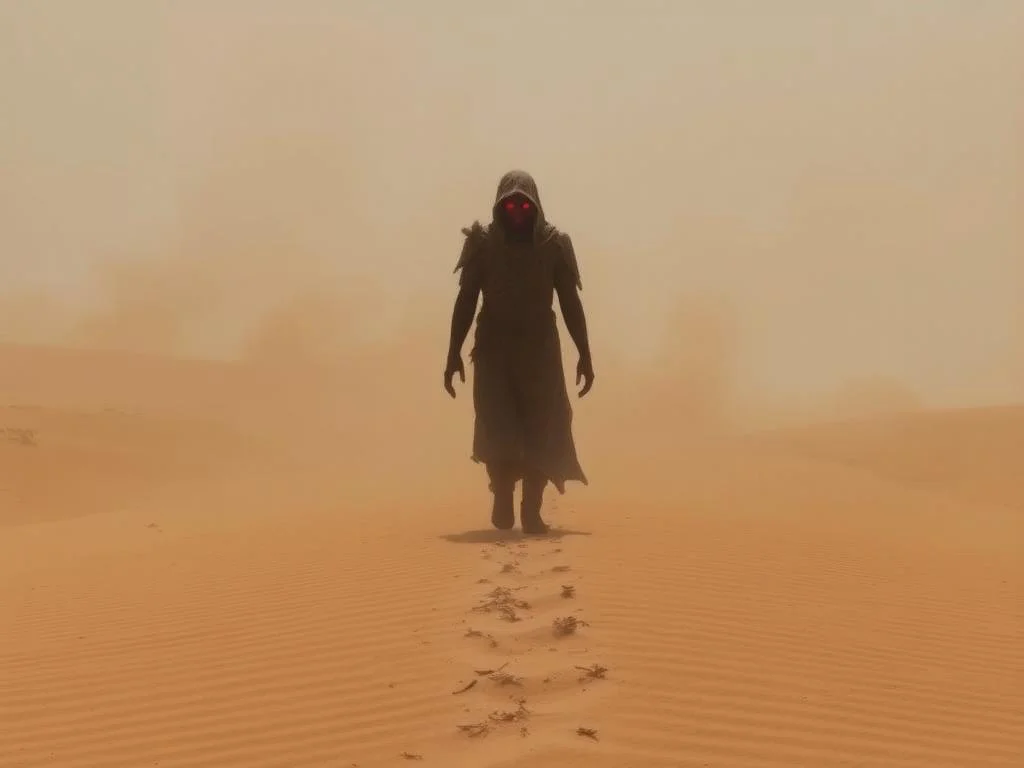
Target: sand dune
[(176, 589), (976, 454)]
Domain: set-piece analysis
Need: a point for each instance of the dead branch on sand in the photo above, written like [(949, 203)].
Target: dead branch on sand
[(518, 715), (501, 600), (568, 625), (593, 672)]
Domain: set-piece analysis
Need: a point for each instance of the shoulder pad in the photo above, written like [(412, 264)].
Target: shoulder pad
[(475, 236)]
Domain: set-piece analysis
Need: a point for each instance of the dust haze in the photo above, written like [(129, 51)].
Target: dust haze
[(783, 214)]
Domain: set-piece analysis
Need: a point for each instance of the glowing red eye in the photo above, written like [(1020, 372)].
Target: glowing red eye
[(526, 205), (510, 205)]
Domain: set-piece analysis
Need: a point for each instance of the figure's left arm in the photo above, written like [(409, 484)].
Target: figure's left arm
[(568, 287)]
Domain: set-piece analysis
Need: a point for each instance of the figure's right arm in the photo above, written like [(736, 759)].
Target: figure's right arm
[(462, 318), (470, 283)]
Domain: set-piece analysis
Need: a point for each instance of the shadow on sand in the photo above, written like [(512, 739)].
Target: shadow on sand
[(492, 535)]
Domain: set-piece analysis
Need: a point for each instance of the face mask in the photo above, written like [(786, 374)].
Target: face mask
[(519, 212)]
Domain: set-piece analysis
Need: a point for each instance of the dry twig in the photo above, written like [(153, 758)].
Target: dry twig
[(475, 730)]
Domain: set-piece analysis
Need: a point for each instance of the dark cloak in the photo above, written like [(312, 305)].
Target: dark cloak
[(523, 415)]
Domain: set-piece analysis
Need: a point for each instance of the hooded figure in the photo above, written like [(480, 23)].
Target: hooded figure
[(523, 424)]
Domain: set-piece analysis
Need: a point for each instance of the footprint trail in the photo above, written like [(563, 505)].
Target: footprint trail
[(528, 668)]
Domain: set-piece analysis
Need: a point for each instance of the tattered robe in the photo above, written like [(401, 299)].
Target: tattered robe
[(523, 417)]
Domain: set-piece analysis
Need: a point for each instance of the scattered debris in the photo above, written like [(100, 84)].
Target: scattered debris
[(593, 672), (502, 601), (475, 730), (589, 733), (486, 672), (510, 568), (567, 625), (568, 591), (519, 714), (504, 678), (26, 437), (410, 756), (561, 569), (477, 633), (464, 688)]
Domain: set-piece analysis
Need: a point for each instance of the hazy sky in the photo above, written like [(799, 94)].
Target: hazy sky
[(845, 177)]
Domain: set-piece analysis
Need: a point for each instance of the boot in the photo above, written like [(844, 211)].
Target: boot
[(533, 498), (503, 513)]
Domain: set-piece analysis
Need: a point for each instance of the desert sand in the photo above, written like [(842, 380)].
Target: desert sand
[(184, 583), (239, 526)]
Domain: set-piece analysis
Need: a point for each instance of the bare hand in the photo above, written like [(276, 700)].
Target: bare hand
[(454, 366), (585, 374)]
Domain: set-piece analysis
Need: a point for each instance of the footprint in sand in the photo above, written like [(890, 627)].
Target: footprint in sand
[(524, 612)]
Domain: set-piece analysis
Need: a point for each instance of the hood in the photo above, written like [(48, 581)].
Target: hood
[(521, 183)]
